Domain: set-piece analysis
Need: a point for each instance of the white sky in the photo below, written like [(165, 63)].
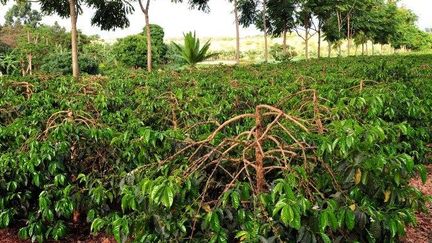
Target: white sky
[(178, 18)]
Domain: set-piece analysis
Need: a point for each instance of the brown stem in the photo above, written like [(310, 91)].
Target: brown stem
[(259, 156), (318, 121), (74, 38)]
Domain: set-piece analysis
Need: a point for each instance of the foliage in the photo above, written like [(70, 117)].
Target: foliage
[(4, 48), (132, 50), (61, 63), (148, 157), (9, 63), (191, 51), (280, 16), (22, 14), (281, 55), (107, 14)]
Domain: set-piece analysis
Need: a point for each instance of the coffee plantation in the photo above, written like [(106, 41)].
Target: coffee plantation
[(313, 151)]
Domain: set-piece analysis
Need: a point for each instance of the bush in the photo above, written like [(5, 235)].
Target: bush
[(150, 157), (4, 48), (280, 55), (132, 50), (61, 63)]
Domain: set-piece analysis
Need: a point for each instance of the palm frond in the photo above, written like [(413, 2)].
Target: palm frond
[(191, 51)]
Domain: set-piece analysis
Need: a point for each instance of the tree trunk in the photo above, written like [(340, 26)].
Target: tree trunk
[(237, 24), (74, 38), (329, 48), (307, 43), (367, 49), (29, 56), (363, 49), (319, 40), (284, 44), (265, 30), (349, 34), (149, 43), (145, 10)]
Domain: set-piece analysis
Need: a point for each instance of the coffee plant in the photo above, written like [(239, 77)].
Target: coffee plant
[(316, 151)]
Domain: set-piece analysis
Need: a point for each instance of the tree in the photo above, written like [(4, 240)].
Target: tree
[(264, 16), (251, 14), (322, 10), (131, 49), (109, 14), (383, 31), (145, 8), (22, 14), (406, 34), (304, 19), (237, 26), (280, 19)]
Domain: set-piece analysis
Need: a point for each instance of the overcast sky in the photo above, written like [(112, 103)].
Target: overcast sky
[(178, 18)]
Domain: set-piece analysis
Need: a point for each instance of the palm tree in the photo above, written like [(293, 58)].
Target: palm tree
[(191, 52)]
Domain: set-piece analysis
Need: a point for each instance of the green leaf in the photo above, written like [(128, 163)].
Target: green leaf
[(117, 230), (393, 227), (278, 207), (167, 196), (23, 233), (235, 199), (325, 238), (287, 215), (97, 225), (332, 219), (349, 219), (423, 173), (214, 222), (91, 215), (409, 162), (323, 221)]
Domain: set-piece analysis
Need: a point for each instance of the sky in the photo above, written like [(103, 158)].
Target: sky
[(178, 18)]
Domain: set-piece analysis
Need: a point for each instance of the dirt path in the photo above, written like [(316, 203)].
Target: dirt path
[(422, 233)]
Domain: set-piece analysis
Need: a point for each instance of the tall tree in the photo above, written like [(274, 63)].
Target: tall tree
[(264, 16), (332, 32), (280, 19), (304, 18), (247, 11), (145, 8), (109, 14), (22, 14), (387, 26), (252, 14), (237, 26), (322, 10)]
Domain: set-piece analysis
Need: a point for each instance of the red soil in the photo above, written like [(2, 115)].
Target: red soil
[(422, 232)]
